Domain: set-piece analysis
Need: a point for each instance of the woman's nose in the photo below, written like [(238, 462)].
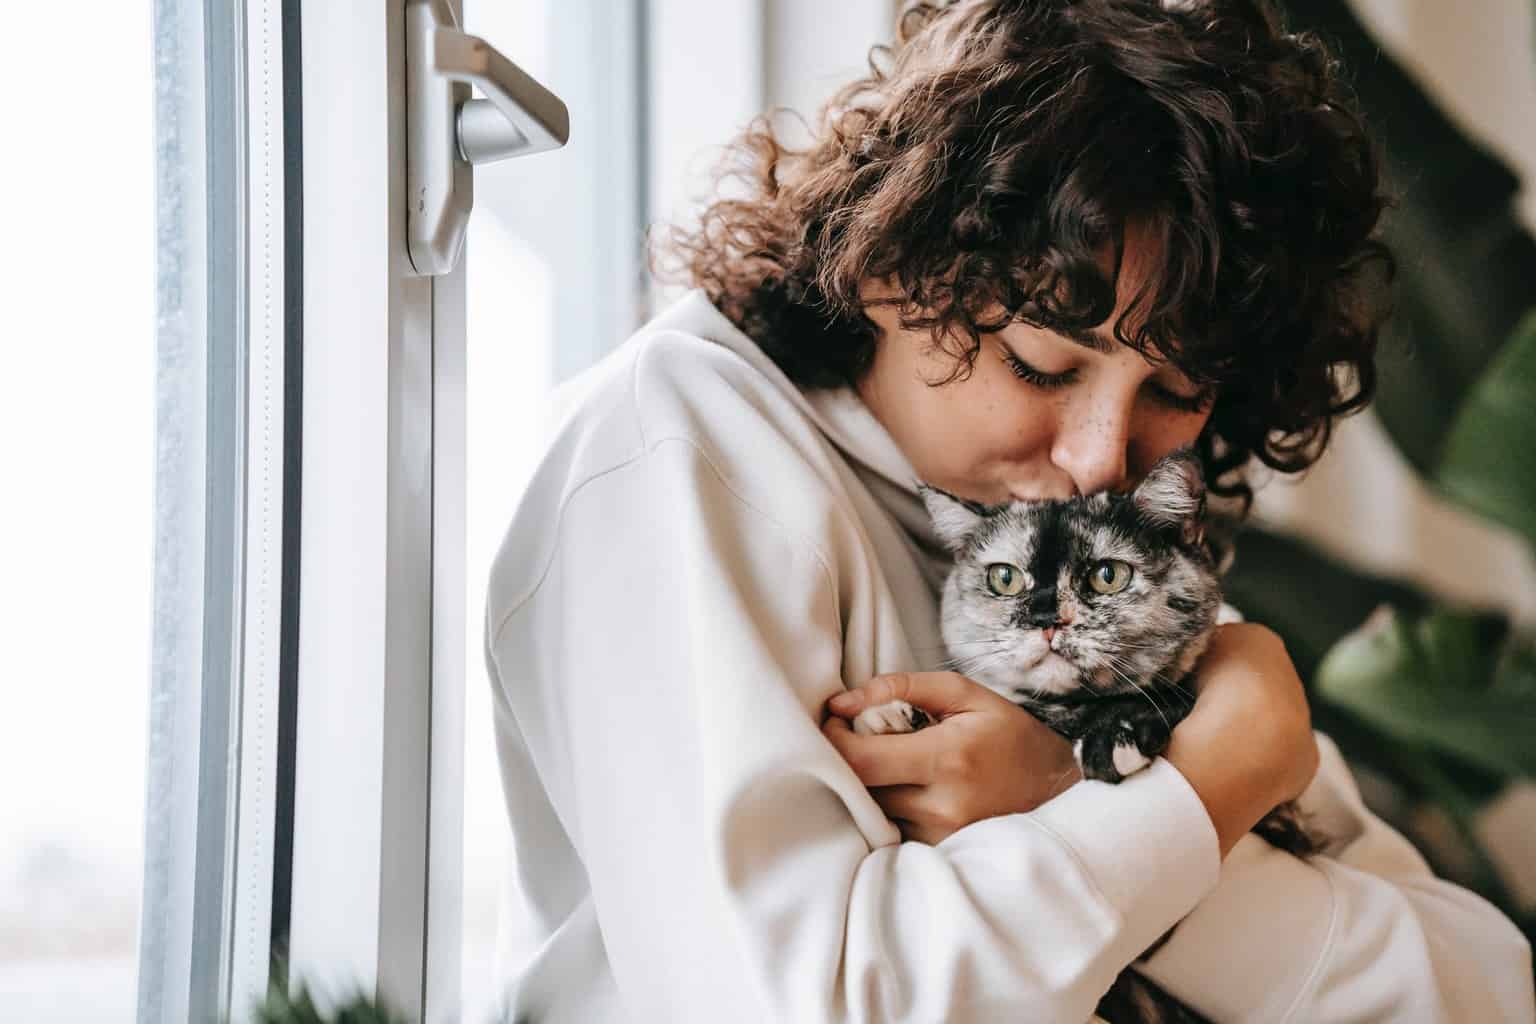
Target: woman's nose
[(1092, 444)]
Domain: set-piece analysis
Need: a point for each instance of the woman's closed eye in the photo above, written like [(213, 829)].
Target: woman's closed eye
[(1192, 402), (1039, 378)]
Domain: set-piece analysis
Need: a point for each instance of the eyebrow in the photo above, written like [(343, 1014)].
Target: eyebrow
[(1083, 337)]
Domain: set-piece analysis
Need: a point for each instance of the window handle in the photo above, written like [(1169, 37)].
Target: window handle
[(521, 117), (448, 132)]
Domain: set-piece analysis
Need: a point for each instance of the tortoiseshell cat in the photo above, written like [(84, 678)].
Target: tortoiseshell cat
[(1091, 614)]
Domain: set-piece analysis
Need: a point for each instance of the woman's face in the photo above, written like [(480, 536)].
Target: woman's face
[(1041, 416)]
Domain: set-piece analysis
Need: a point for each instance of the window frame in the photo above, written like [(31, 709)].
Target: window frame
[(382, 539), (322, 841)]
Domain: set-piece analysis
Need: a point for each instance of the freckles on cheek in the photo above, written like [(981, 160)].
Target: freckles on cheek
[(1173, 432)]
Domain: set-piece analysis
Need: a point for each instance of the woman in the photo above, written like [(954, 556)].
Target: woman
[(1045, 245)]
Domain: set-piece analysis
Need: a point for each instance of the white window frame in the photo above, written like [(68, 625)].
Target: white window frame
[(205, 930), (382, 544), (323, 825)]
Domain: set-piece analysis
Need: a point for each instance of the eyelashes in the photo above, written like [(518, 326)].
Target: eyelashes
[(1053, 381), (1048, 381)]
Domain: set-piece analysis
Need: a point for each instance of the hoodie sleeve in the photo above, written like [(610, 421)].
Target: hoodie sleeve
[(1364, 931), (667, 669)]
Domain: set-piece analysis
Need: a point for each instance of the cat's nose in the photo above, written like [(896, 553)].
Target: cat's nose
[(1048, 632)]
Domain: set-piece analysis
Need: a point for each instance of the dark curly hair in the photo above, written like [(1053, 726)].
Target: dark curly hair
[(1000, 147)]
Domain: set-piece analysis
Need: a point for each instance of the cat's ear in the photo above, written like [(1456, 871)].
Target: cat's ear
[(954, 519), (1173, 495)]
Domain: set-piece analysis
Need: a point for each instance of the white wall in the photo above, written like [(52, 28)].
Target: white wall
[(716, 64)]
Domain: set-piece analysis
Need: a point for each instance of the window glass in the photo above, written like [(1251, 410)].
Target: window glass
[(77, 525)]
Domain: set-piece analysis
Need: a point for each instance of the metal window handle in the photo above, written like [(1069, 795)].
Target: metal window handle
[(447, 131), (521, 116)]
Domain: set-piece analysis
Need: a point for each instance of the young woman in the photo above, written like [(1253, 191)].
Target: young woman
[(1041, 245)]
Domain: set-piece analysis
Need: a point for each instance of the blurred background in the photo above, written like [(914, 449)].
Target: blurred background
[(1427, 503)]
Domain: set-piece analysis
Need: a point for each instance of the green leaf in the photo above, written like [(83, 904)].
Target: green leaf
[(280, 1007), (1489, 463), (1465, 261), (1308, 598), (1452, 681)]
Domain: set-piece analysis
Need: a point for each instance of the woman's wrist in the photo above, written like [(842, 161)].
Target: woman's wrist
[(1247, 746), (1235, 795)]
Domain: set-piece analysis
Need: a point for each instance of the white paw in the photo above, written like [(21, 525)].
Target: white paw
[(1128, 760), (892, 717)]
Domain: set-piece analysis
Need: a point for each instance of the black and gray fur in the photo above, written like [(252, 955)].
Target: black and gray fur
[(1104, 670), (1109, 671)]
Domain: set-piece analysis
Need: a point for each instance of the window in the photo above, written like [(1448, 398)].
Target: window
[(553, 283), (264, 473), (80, 399)]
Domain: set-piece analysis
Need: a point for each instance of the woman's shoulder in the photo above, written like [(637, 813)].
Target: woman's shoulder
[(683, 381), (671, 417)]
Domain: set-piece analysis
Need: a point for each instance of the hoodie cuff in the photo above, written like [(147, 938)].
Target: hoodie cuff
[(1147, 843)]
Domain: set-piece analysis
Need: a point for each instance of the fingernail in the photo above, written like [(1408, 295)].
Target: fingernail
[(845, 700)]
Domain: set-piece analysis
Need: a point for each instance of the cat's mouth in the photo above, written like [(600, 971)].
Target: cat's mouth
[(1046, 668)]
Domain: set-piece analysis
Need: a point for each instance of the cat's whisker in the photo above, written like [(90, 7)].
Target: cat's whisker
[(1058, 777), (1087, 681), (1148, 693), (1173, 690), (963, 643), (968, 664), (1124, 669), (1143, 691)]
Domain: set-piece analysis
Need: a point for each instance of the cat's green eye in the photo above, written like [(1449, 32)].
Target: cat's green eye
[(1110, 576), (1005, 580)]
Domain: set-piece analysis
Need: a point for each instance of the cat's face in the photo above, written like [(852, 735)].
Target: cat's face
[(1104, 592)]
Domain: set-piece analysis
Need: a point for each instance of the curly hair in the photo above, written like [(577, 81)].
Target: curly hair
[(1000, 147)]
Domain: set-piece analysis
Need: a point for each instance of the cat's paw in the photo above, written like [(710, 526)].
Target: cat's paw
[(1119, 747), (891, 717)]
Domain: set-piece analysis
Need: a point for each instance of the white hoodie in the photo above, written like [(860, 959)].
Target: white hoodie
[(704, 555)]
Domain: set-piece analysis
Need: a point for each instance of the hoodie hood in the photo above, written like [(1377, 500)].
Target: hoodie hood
[(842, 417)]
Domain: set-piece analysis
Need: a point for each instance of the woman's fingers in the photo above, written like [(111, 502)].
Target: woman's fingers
[(900, 802), (938, 693), (902, 758)]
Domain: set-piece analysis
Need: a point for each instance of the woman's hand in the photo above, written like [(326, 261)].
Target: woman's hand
[(984, 757), (1247, 746)]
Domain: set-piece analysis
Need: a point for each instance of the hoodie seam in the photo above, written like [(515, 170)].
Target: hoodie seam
[(549, 559), (646, 447), (1328, 938)]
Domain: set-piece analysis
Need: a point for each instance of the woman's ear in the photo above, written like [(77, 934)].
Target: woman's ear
[(954, 519)]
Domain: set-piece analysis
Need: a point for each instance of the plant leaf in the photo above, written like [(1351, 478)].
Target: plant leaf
[(1452, 681), (1489, 462), (1311, 600), (1465, 261), (280, 1007)]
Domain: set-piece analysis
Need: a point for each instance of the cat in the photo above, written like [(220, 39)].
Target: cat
[(1091, 613)]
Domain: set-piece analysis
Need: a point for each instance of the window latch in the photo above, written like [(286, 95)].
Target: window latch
[(447, 131)]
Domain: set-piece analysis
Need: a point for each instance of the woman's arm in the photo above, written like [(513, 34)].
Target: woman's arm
[(1363, 932), (668, 672), (1246, 747)]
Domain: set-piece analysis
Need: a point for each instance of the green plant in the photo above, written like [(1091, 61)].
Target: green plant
[(1437, 704), (299, 1008)]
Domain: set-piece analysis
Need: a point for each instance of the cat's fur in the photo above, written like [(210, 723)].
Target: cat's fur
[(1108, 671)]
